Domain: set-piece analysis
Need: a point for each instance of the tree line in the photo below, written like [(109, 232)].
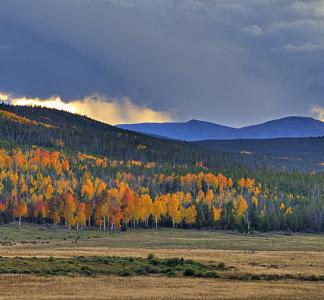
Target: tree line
[(80, 191)]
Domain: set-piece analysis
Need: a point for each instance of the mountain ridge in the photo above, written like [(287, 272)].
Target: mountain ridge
[(196, 130)]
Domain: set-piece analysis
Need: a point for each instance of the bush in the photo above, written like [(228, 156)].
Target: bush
[(189, 272), (255, 277), (171, 273), (212, 274), (125, 273), (221, 266), (314, 278), (174, 261), (151, 256), (150, 269), (155, 261)]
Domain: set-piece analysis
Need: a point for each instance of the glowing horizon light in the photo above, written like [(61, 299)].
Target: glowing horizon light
[(101, 108), (318, 111), (55, 102)]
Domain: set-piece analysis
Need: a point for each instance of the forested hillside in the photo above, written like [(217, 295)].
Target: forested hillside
[(26, 125), (302, 154), (65, 169), (298, 148)]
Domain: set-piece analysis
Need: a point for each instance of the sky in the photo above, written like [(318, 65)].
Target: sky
[(232, 62)]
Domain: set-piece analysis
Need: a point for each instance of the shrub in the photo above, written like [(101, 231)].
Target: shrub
[(221, 266), (125, 273), (174, 261), (255, 277), (171, 273), (212, 274), (189, 272), (155, 261), (151, 256), (150, 269)]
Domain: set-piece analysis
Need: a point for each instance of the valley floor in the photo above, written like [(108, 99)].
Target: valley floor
[(258, 254)]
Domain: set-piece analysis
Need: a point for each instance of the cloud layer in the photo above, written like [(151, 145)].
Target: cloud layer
[(111, 111), (229, 61)]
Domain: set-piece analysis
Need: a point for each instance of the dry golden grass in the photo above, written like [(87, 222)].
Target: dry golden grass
[(256, 262), (258, 254), (108, 287)]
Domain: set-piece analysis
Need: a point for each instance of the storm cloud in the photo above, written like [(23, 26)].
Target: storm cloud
[(234, 62)]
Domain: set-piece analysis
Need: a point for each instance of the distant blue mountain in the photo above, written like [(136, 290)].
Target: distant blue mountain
[(196, 130)]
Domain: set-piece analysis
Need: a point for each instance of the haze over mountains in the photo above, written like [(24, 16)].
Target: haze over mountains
[(195, 130)]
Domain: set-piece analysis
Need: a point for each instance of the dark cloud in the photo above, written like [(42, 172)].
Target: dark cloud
[(229, 61)]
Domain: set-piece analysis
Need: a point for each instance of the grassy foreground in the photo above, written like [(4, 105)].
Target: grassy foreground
[(216, 265), (136, 288)]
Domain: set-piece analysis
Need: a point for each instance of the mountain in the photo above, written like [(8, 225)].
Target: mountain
[(196, 130), (192, 130), (285, 127)]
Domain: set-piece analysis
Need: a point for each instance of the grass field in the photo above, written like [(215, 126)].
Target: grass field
[(259, 266)]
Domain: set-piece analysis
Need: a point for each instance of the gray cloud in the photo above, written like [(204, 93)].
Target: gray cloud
[(253, 30), (307, 47), (193, 58)]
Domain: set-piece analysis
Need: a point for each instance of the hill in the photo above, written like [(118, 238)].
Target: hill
[(23, 126), (27, 125), (196, 130)]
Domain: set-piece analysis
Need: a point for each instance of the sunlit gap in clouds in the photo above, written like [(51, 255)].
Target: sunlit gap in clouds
[(318, 111), (111, 111)]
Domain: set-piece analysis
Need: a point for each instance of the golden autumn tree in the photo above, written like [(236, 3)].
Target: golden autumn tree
[(173, 209), (146, 203), (157, 211), (20, 210), (80, 217), (70, 209), (216, 214), (190, 215)]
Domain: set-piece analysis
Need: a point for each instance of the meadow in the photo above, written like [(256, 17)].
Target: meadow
[(164, 263)]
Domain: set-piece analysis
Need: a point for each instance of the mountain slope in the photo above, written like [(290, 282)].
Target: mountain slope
[(195, 130)]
